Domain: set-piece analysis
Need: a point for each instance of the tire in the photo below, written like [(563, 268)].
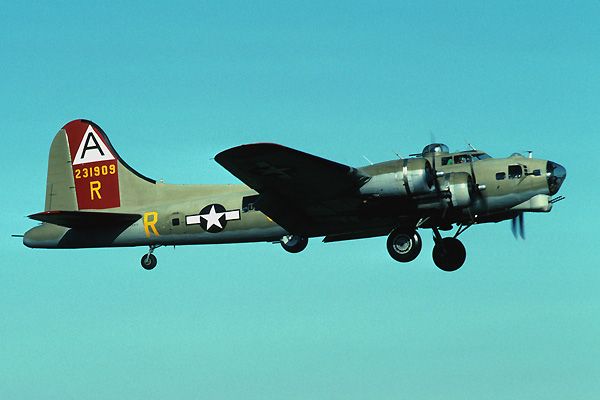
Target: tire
[(295, 244), (403, 245), (449, 254), (148, 261)]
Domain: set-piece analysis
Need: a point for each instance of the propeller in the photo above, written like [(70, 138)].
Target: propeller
[(517, 226)]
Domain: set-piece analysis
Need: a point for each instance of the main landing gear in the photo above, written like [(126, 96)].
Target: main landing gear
[(149, 260), (294, 243), (404, 245), (449, 254)]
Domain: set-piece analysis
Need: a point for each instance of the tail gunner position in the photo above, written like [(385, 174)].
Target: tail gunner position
[(94, 199)]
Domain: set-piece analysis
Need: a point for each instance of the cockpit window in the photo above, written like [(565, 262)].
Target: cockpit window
[(462, 158), (515, 171), (481, 156)]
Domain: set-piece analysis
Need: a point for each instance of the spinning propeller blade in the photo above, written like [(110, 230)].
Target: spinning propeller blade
[(517, 226)]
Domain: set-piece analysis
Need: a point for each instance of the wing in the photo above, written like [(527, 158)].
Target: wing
[(297, 190)]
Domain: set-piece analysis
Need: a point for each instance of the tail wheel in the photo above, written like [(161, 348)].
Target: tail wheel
[(294, 243), (449, 254), (149, 261), (403, 245)]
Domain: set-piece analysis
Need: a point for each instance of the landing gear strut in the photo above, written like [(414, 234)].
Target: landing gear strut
[(449, 254), (149, 260), (404, 245)]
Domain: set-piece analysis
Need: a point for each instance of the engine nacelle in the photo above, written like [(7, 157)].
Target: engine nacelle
[(458, 188), (414, 178)]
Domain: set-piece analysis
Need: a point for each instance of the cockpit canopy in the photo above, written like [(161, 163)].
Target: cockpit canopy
[(464, 157), (441, 151)]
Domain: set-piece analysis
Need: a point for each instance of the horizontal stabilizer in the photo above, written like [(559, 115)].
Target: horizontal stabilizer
[(85, 219)]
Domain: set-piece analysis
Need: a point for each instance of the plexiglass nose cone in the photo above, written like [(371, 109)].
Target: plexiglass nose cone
[(556, 175)]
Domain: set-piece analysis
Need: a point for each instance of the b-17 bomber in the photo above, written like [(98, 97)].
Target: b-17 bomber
[(95, 199)]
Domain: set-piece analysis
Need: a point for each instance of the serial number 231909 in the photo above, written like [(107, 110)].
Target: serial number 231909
[(92, 172)]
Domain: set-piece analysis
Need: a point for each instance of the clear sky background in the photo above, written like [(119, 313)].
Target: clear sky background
[(174, 83)]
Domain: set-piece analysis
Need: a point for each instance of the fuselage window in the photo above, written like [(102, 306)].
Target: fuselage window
[(248, 203), (515, 171), (175, 221), (446, 160), (500, 175)]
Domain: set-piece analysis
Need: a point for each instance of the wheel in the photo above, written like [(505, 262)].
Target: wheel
[(449, 254), (149, 261), (294, 243), (403, 245)]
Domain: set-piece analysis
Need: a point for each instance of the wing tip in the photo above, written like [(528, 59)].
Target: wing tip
[(248, 148)]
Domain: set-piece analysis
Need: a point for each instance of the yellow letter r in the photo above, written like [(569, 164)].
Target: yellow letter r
[(150, 220)]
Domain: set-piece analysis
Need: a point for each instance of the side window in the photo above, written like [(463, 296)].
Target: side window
[(174, 221), (248, 203), (515, 171), (446, 160), (500, 175)]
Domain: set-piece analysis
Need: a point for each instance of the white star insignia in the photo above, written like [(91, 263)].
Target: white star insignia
[(213, 218)]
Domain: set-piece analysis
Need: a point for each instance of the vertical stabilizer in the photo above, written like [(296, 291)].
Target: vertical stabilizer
[(86, 173)]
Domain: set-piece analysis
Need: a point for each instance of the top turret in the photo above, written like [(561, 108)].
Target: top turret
[(435, 148)]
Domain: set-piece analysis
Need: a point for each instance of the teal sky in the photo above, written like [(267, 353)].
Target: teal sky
[(173, 83)]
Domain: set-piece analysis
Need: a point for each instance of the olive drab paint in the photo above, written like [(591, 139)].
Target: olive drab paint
[(95, 199)]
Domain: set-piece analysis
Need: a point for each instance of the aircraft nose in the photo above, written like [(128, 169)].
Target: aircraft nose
[(556, 174)]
